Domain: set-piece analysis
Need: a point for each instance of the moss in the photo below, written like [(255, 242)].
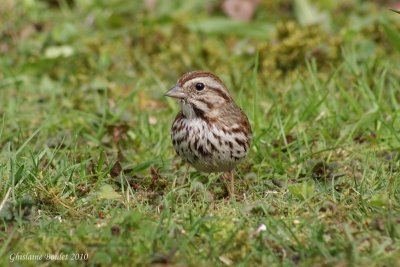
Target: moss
[(293, 45)]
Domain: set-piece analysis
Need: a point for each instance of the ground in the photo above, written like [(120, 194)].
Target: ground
[(88, 173)]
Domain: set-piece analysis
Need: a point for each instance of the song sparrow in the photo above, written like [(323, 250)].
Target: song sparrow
[(210, 132)]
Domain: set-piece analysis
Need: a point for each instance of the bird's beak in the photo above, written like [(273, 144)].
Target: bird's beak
[(176, 92)]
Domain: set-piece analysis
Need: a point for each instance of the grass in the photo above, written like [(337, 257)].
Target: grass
[(87, 166)]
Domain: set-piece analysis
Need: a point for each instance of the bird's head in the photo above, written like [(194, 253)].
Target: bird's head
[(200, 93)]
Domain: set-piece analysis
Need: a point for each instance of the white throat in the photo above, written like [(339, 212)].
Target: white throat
[(187, 109)]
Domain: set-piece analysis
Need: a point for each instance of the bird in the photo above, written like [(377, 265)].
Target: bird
[(210, 132)]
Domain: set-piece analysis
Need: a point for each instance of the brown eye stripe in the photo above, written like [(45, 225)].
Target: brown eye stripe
[(196, 74), (221, 93)]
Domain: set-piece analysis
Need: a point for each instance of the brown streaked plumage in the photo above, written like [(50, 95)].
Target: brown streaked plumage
[(210, 132)]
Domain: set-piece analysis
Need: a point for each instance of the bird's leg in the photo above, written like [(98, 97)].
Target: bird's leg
[(183, 180), (230, 176), (232, 188)]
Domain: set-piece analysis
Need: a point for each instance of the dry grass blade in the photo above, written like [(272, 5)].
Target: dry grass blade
[(3, 203)]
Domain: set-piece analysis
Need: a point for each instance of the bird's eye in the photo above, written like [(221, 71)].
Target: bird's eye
[(199, 86)]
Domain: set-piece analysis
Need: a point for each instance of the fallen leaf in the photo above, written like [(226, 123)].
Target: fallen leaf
[(107, 192), (225, 260), (154, 173), (116, 169), (58, 51)]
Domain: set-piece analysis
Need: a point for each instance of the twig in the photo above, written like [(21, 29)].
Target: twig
[(394, 10)]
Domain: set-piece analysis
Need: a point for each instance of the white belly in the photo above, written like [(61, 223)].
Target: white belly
[(208, 148)]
